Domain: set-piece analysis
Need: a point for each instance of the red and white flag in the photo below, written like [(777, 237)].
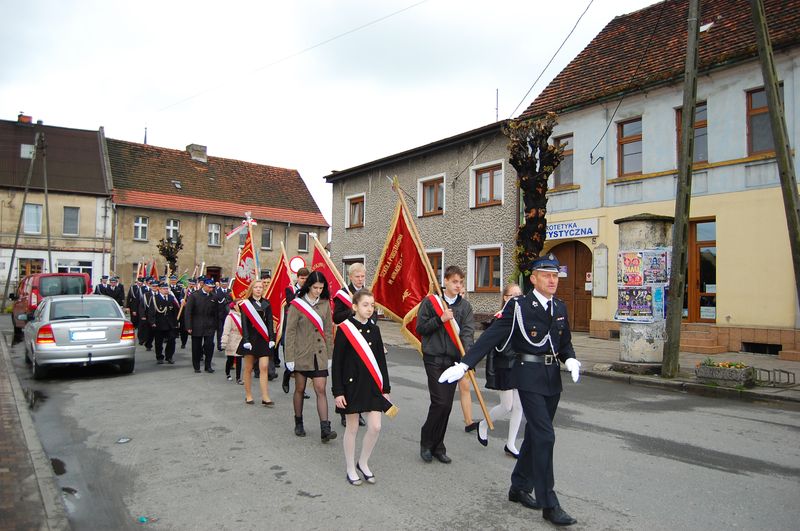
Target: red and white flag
[(153, 269), (246, 271), (276, 292), (320, 261)]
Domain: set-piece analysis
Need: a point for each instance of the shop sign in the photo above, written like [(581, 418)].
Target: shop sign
[(579, 228)]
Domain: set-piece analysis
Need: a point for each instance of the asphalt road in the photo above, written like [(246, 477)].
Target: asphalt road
[(627, 457)]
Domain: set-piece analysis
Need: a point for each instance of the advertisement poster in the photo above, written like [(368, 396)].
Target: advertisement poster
[(635, 303), (655, 265), (629, 270)]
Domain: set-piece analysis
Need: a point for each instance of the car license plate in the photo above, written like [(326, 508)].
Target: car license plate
[(87, 334)]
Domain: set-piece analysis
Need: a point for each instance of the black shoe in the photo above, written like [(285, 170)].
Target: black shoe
[(268, 403), (557, 516), (361, 421), (326, 433), (367, 478), (285, 384), (471, 427), (171, 362), (442, 457), (197, 370), (355, 482), (509, 452), (426, 455), (305, 396), (523, 498), (183, 345), (159, 362), (272, 376), (148, 349), (484, 442), (210, 370)]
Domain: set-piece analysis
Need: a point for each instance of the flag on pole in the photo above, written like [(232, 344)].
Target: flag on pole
[(402, 278), (153, 269), (320, 261), (246, 271), (276, 292)]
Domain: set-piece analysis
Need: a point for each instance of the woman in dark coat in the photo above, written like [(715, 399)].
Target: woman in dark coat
[(254, 347), (355, 387)]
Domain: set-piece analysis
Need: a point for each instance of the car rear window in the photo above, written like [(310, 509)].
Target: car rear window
[(62, 285), (88, 308)]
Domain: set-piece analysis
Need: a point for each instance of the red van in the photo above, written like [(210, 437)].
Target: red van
[(33, 288)]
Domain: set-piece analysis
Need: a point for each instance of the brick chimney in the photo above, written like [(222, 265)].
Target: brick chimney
[(197, 152)]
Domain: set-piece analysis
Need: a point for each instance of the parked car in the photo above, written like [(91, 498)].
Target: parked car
[(33, 288), (78, 330)]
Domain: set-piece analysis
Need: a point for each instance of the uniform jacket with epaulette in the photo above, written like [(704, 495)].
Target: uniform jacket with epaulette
[(162, 313), (535, 324)]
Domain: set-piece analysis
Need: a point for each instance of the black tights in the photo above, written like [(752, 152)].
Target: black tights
[(319, 390), (229, 363)]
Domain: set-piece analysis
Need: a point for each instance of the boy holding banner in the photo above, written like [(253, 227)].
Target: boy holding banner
[(439, 325)]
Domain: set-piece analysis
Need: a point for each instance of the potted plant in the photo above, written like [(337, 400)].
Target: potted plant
[(725, 373)]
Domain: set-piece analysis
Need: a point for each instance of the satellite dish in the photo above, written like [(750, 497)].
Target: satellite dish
[(296, 264)]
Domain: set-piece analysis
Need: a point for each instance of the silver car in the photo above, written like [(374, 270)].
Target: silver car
[(78, 330)]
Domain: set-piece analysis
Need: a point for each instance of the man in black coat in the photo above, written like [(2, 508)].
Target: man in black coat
[(145, 330), (224, 298), (116, 291), (539, 330), (102, 288), (201, 323), (163, 319), (132, 301)]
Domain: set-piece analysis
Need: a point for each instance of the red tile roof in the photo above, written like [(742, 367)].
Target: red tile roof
[(144, 175), (604, 68), (74, 159)]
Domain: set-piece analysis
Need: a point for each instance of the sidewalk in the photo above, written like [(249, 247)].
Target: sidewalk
[(29, 495), (597, 356)]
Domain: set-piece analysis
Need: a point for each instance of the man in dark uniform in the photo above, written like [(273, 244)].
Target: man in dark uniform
[(116, 291), (201, 323), (132, 302), (102, 288), (145, 330), (440, 352), (182, 320), (343, 307), (539, 330), (224, 298), (163, 319), (176, 288)]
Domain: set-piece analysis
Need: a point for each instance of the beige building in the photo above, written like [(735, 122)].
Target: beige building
[(160, 193), (77, 207)]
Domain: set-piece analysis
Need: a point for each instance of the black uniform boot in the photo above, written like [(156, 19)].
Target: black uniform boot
[(327, 434), (299, 430)]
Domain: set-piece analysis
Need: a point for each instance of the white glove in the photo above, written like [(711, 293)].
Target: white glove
[(454, 373), (573, 366), (271, 344), (330, 364), (247, 346), (290, 366)]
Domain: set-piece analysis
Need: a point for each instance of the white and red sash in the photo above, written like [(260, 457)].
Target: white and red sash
[(344, 296), (236, 321), (451, 326), (363, 350), (306, 309), (250, 311)]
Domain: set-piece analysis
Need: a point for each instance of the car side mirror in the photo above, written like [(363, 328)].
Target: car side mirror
[(22, 317), (13, 296)]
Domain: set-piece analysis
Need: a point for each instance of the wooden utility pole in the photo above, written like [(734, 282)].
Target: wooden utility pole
[(777, 119), (683, 195)]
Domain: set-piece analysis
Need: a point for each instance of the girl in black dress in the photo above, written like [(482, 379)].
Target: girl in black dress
[(360, 383), (254, 347)]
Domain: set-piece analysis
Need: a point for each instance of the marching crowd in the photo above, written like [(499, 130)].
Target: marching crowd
[(523, 346)]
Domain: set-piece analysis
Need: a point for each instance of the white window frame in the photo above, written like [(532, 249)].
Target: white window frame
[(421, 181), (439, 250), (141, 226), (270, 238), (299, 249), (218, 232), (77, 224), (363, 210), (471, 263), (351, 258), (168, 227), (25, 218), (473, 173)]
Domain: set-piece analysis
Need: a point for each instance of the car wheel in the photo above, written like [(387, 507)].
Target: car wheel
[(38, 371), (126, 367)]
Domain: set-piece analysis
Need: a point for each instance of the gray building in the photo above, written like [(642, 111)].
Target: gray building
[(464, 196)]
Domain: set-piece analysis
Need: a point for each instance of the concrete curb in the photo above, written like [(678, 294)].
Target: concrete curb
[(690, 387), (49, 491)]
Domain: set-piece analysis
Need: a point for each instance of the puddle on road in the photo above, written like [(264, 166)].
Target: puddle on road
[(34, 398), (58, 466)]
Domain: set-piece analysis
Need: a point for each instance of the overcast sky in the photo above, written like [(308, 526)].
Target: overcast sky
[(297, 84)]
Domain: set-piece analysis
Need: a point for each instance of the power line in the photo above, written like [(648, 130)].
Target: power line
[(630, 83), (300, 52)]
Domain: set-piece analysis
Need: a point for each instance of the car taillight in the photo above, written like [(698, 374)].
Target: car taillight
[(45, 335), (34, 299), (127, 331)]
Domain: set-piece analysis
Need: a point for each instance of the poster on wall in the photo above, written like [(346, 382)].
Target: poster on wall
[(642, 280), (635, 303), (655, 266), (629, 269)]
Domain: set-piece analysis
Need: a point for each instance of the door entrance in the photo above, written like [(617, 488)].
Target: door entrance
[(577, 259), (700, 295)]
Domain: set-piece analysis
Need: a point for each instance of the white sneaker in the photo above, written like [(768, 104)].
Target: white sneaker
[(229, 378)]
